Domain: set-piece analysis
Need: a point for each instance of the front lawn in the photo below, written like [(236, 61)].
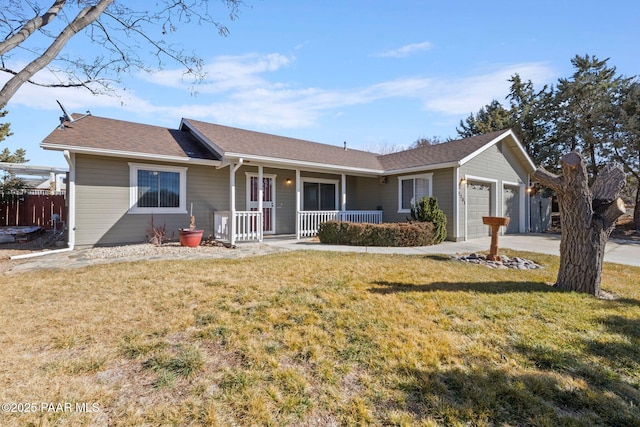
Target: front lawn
[(316, 339)]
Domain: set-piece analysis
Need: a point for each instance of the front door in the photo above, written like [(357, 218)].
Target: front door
[(268, 200)]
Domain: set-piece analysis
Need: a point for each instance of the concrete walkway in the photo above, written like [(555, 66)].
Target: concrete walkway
[(617, 251)]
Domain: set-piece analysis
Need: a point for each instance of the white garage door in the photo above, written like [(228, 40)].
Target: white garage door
[(511, 200), (478, 205)]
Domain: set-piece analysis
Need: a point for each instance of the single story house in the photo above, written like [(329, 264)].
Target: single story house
[(121, 172)]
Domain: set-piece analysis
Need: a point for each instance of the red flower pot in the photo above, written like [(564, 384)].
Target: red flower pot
[(191, 238)]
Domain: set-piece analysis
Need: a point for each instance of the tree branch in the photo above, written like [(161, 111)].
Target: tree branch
[(610, 213), (548, 179), (79, 84), (160, 49), (608, 184), (84, 18), (31, 26)]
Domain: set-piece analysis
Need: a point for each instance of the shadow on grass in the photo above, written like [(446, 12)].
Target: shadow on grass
[(384, 287), (439, 258), (494, 396)]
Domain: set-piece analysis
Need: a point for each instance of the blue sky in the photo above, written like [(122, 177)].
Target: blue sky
[(376, 74)]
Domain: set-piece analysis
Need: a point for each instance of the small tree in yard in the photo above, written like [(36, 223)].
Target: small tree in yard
[(427, 210), (587, 218)]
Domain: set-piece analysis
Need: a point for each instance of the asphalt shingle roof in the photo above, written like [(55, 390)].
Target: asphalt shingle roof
[(446, 152), (102, 134), (118, 135), (240, 141)]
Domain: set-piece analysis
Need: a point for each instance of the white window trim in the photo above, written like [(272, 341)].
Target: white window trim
[(133, 189), (336, 182), (427, 176)]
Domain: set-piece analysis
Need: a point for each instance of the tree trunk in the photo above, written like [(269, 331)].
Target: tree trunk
[(587, 218)]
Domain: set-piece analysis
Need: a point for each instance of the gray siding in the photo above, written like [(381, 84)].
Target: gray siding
[(371, 194), (102, 195), (102, 202), (498, 164)]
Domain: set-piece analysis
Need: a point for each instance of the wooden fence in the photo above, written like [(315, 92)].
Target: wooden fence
[(30, 210)]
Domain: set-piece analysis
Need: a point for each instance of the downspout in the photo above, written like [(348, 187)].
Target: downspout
[(71, 199)]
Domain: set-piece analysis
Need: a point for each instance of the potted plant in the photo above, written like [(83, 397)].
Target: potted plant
[(190, 236)]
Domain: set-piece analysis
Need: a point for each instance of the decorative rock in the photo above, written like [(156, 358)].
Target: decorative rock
[(516, 263)]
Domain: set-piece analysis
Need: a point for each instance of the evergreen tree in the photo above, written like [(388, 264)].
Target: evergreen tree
[(489, 118), (427, 210), (625, 147), (585, 108), (531, 115), (9, 182)]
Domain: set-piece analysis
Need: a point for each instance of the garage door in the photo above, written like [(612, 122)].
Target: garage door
[(511, 200), (478, 205)]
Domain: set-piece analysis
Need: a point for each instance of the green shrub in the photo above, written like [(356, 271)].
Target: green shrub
[(427, 210), (389, 234)]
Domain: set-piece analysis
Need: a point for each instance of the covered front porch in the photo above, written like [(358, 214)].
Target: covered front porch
[(316, 198)]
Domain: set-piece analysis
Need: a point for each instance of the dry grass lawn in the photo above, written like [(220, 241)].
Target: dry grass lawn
[(316, 339)]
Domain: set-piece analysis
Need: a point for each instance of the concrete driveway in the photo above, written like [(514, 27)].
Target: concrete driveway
[(617, 251)]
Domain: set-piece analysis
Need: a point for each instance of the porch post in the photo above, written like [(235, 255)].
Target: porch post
[(232, 198), (232, 203), (260, 197), (343, 198), (297, 203)]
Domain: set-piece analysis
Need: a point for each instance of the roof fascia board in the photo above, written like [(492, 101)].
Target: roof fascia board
[(422, 168), (194, 131), (129, 154), (298, 164)]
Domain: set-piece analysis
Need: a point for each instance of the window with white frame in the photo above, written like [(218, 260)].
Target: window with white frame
[(411, 189), (157, 189), (319, 194)]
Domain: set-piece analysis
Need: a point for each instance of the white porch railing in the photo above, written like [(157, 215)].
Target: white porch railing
[(308, 221), (248, 225)]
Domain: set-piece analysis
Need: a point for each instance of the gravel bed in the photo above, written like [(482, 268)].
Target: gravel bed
[(148, 250)]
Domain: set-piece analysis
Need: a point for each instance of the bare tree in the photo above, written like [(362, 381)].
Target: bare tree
[(123, 34), (587, 218)]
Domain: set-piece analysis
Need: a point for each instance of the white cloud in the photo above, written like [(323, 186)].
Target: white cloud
[(257, 102), (224, 73), (405, 51), (241, 91), (468, 94)]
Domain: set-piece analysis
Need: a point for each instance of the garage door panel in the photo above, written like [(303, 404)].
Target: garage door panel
[(478, 205)]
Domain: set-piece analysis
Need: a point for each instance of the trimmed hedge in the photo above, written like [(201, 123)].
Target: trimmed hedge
[(388, 234)]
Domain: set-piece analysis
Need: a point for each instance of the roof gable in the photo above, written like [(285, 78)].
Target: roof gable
[(453, 153), (239, 142)]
